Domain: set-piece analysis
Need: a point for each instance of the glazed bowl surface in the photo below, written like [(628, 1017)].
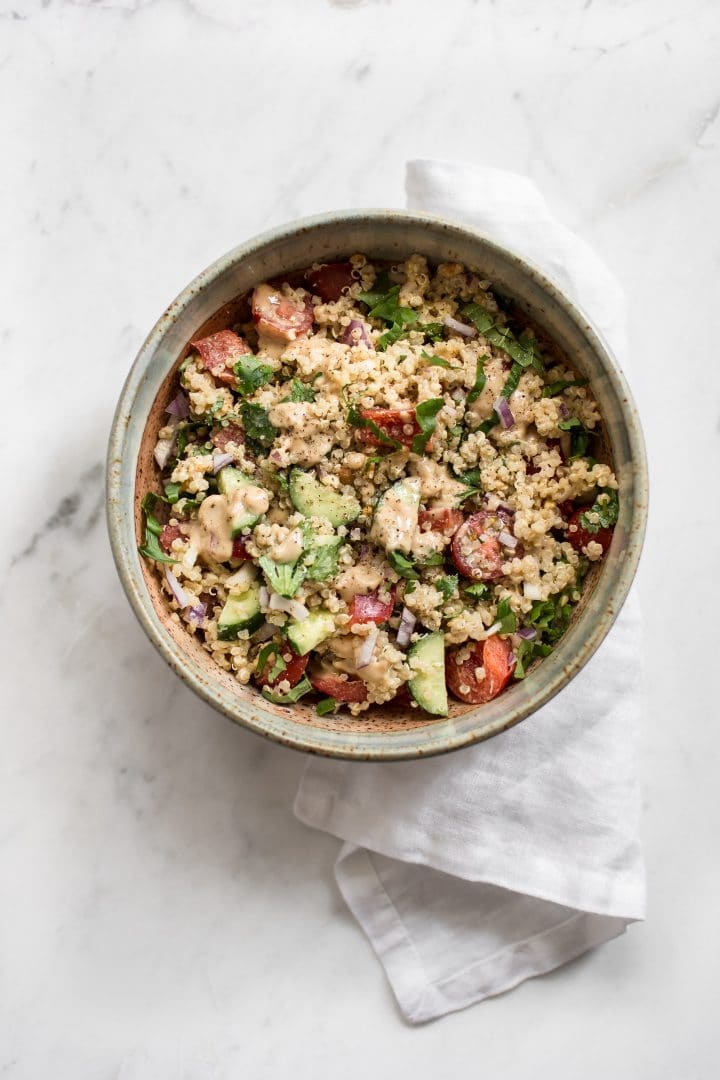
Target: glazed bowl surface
[(207, 305)]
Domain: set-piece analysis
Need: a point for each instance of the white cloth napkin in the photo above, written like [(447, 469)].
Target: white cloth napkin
[(474, 871)]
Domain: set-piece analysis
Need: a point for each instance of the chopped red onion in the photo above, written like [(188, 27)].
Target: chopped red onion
[(364, 657), (459, 327), (507, 539), (406, 627), (527, 633), (506, 507), (177, 590), (503, 410), (294, 608), (196, 614), (511, 658), (264, 596), (220, 461), (563, 410), (532, 590), (491, 630), (179, 407), (163, 450), (356, 333)]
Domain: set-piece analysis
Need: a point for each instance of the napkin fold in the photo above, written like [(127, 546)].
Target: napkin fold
[(476, 870)]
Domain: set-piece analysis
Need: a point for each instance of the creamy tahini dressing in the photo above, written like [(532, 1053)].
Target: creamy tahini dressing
[(437, 487), (360, 578), (211, 533), (495, 376), (289, 549), (344, 659), (250, 499), (395, 522)]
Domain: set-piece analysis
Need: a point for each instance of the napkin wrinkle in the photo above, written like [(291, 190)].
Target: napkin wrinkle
[(476, 870)]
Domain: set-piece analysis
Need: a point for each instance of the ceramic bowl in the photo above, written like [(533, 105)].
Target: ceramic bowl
[(207, 304)]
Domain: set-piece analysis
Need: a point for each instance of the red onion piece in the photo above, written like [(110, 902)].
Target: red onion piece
[(177, 590), (364, 657), (163, 450), (196, 614), (563, 410), (264, 596), (503, 410), (179, 407), (507, 539), (406, 627), (459, 327), (220, 461), (527, 633), (491, 630), (532, 590), (356, 333), (293, 608)]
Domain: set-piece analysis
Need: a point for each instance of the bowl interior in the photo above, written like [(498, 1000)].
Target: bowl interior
[(214, 301)]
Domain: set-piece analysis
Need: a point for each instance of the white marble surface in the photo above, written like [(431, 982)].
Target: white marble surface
[(163, 915)]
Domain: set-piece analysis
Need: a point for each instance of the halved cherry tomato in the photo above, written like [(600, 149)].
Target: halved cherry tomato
[(580, 537), (370, 608), (232, 433), (239, 550), (169, 533), (219, 352), (340, 689), (442, 519), (278, 317), (392, 422), (495, 656), (293, 671), (475, 548), (329, 280)]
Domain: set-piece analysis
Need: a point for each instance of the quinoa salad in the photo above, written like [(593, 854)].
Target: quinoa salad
[(378, 486)]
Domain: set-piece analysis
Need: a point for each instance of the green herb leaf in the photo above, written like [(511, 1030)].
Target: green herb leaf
[(151, 548), (447, 585), (327, 705), (511, 383), (148, 507), (550, 618), (300, 392), (479, 591), (523, 351), (283, 578), (435, 559), (282, 480), (526, 652), (386, 307), (480, 380), (302, 688), (271, 649), (436, 361), (426, 413), (506, 618), (172, 493), (487, 425), (356, 419), (569, 424), (402, 565), (606, 506), (555, 388), (321, 560), (433, 331), (251, 374), (579, 437), (259, 431)]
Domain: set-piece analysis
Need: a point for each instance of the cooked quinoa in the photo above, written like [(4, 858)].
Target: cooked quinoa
[(381, 484)]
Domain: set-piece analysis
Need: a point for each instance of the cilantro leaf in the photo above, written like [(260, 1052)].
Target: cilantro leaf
[(251, 373), (402, 565), (300, 391), (283, 578), (293, 695), (426, 414), (327, 705), (506, 617), (258, 429), (321, 561), (607, 508), (478, 591), (526, 652), (385, 306), (433, 331), (550, 618), (447, 585), (555, 388)]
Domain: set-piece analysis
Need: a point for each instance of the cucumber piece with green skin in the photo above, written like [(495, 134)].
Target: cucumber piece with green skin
[(427, 660), (395, 519), (230, 481), (312, 498), (307, 635), (241, 612)]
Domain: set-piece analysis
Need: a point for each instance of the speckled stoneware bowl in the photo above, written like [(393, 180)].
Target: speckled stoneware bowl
[(206, 305)]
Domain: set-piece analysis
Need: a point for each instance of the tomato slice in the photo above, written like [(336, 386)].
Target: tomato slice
[(330, 280), (476, 549), (442, 519), (169, 533), (340, 689), (294, 668), (232, 433), (579, 537), (278, 317), (392, 422), (495, 655), (370, 608), (239, 550), (219, 352)]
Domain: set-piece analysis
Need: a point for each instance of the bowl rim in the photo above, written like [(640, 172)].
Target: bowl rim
[(127, 558)]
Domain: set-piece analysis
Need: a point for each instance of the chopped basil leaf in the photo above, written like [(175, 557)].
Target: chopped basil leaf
[(506, 618), (523, 350), (377, 293), (433, 331), (151, 548), (436, 361), (251, 373), (385, 306), (555, 388), (258, 429), (148, 507), (487, 425), (606, 506), (435, 559), (410, 587), (282, 480), (426, 414), (327, 705), (511, 383), (579, 436), (571, 423), (283, 578), (478, 591), (447, 585), (480, 381), (302, 688), (356, 419), (402, 565)]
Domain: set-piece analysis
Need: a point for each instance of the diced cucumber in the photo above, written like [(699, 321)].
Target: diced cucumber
[(427, 659), (396, 515), (241, 612), (230, 481), (311, 497), (307, 635)]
